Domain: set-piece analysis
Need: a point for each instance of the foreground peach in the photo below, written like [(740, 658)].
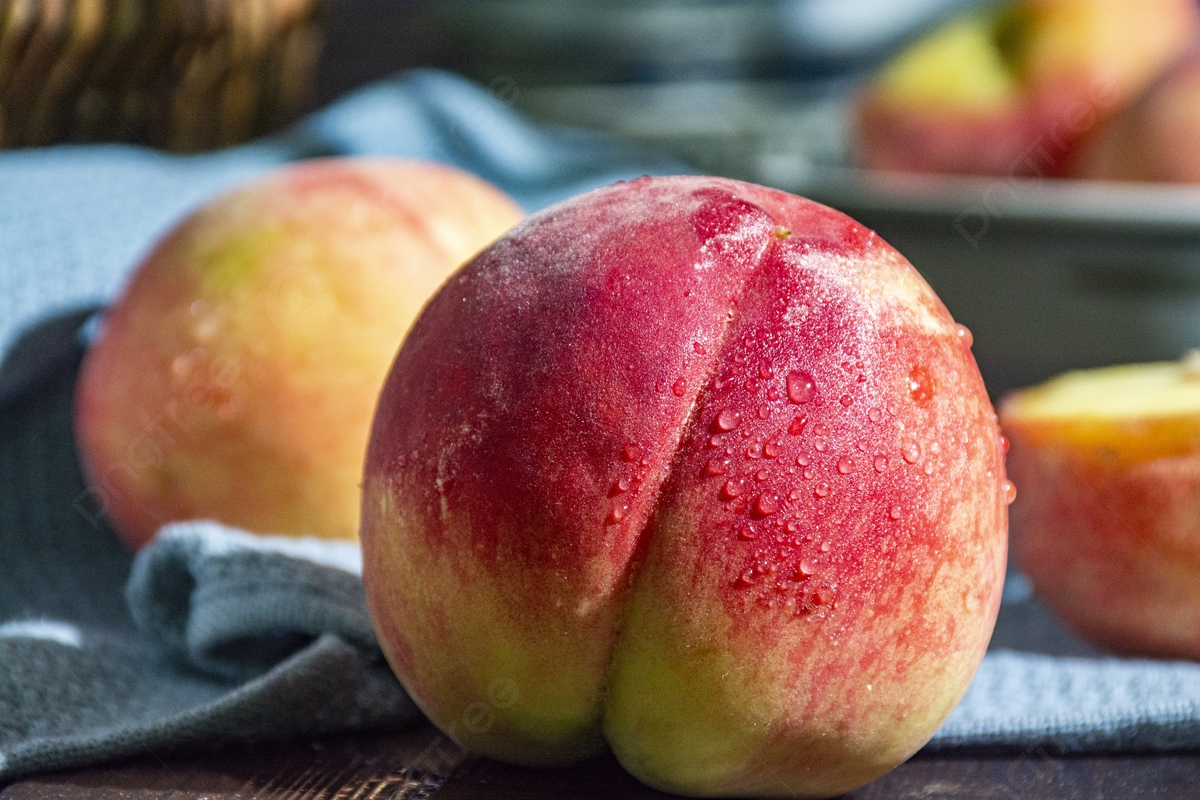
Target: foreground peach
[(1107, 526), (1018, 89), (236, 376), (696, 468)]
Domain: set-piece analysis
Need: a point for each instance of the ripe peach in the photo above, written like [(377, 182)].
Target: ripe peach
[(696, 468), (1016, 90), (236, 375), (1153, 140), (1107, 526)]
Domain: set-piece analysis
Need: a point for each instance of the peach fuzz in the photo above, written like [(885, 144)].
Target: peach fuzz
[(1107, 525), (236, 375), (694, 469)]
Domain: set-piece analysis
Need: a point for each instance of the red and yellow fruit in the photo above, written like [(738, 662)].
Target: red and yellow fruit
[(1107, 526), (236, 375), (1018, 89), (697, 469)]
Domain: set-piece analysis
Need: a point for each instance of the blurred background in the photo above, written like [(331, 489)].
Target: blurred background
[(1032, 158)]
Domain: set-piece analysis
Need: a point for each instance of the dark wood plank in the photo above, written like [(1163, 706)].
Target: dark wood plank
[(421, 764), (1035, 775), (410, 765)]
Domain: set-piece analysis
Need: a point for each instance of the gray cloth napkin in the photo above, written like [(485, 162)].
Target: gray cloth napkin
[(210, 634)]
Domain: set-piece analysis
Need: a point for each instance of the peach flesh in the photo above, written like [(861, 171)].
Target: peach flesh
[(236, 376), (587, 513)]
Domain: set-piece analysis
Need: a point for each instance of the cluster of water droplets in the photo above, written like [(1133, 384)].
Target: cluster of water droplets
[(744, 465), (199, 379), (625, 488)]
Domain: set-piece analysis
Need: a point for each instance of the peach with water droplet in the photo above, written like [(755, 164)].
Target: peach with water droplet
[(236, 375), (659, 634)]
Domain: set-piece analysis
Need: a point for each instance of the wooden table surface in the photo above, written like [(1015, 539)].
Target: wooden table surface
[(420, 763)]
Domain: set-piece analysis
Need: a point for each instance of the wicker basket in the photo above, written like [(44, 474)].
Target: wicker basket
[(179, 74)]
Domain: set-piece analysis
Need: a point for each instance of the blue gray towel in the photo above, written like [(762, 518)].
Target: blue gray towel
[(211, 634)]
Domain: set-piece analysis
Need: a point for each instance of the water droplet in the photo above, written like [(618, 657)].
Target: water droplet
[(1003, 444), (861, 446), (800, 387), (964, 335), (794, 494), (716, 466), (1010, 492), (792, 526), (679, 387), (803, 460), (772, 394), (809, 474), (894, 512), (661, 386), (880, 463), (617, 514), (911, 451), (935, 447), (750, 386), (747, 534), (765, 372), (764, 411), (715, 441), (622, 485), (822, 489), (928, 468), (826, 546), (772, 449), (699, 348), (891, 408), (797, 426), (631, 452), (819, 444), (766, 505), (920, 386), (845, 465), (731, 489), (874, 414), (181, 367), (846, 400), (745, 579), (752, 453), (807, 567), (727, 420), (206, 328)]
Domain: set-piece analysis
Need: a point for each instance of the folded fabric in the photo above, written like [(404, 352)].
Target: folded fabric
[(207, 635)]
